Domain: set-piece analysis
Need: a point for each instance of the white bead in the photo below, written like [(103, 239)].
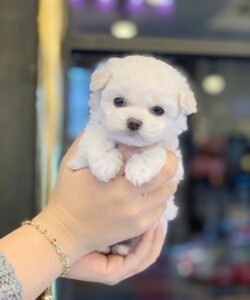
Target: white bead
[(58, 249)]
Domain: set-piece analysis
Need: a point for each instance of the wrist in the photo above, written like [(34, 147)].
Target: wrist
[(28, 251), (62, 227)]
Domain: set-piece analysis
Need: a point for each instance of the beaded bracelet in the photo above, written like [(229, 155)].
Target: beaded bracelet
[(53, 241)]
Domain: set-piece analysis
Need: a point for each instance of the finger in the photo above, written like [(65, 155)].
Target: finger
[(117, 267), (88, 266), (166, 173), (158, 196), (153, 206), (151, 217), (155, 251), (136, 257), (152, 254)]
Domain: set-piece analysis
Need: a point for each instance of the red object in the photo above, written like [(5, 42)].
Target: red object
[(224, 275), (242, 273), (205, 167)]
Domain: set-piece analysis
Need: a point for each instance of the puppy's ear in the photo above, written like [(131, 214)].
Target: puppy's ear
[(99, 79), (187, 101)]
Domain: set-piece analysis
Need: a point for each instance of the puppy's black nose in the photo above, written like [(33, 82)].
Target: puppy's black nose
[(134, 124)]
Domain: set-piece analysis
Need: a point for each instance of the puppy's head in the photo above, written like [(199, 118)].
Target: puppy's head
[(140, 98)]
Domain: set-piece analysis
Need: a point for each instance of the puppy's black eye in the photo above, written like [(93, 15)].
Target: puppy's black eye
[(157, 110), (119, 102)]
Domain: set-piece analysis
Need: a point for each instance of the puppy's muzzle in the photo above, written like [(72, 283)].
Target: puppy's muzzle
[(133, 124)]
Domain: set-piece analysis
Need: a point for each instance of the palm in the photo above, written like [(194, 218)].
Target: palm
[(98, 267), (111, 269)]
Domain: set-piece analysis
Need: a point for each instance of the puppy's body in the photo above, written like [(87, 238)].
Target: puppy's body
[(138, 101)]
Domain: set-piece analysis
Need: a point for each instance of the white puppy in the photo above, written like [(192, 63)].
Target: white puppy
[(138, 101)]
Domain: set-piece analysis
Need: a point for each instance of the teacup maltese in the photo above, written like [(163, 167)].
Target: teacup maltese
[(137, 101)]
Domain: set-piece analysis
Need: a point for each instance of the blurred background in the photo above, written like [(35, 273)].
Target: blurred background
[(48, 50)]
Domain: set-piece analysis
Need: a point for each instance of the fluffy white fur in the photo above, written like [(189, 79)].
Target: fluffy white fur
[(144, 82)]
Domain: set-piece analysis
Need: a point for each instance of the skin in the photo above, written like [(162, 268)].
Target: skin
[(81, 215)]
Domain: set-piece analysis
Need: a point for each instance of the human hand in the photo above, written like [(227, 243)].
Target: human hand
[(111, 269), (84, 213)]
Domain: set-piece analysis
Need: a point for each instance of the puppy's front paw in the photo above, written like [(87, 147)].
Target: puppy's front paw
[(106, 166), (121, 249), (105, 250), (142, 167), (78, 161), (137, 171), (171, 210)]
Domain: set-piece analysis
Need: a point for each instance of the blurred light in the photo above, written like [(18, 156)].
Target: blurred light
[(136, 2), (105, 1), (105, 4), (245, 163), (197, 255), (213, 84), (160, 2), (76, 3), (185, 268), (166, 10), (135, 5), (164, 7), (124, 29), (78, 93)]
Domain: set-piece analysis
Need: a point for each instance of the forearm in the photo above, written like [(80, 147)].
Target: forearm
[(33, 258)]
